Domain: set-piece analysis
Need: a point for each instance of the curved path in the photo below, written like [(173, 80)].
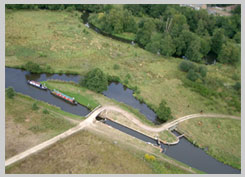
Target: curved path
[(92, 117), (167, 125)]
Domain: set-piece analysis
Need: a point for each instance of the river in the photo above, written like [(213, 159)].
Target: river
[(184, 151)]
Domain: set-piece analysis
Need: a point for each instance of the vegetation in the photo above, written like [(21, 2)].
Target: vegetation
[(34, 106), (25, 127), (163, 112), (69, 50), (85, 152), (74, 90), (95, 80), (10, 92), (167, 136), (170, 30), (221, 138)]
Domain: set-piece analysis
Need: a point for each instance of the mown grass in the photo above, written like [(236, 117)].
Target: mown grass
[(87, 97), (61, 39), (221, 138), (26, 127), (86, 153), (73, 90), (167, 136)]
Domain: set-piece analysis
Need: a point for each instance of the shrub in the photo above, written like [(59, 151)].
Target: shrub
[(186, 66), (116, 66), (33, 67), (70, 8), (10, 92), (95, 80), (150, 157), (203, 71), (192, 75), (163, 112), (113, 78), (35, 107), (128, 76), (45, 111)]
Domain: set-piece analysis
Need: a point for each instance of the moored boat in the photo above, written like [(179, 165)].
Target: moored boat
[(37, 84), (64, 97)]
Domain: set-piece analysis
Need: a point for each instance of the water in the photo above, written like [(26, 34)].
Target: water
[(122, 94), (197, 158), (184, 151), (131, 132), (17, 79), (97, 30)]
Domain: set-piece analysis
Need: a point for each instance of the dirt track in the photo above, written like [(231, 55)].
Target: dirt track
[(92, 117)]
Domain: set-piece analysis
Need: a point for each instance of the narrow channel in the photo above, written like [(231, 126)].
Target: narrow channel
[(184, 151), (17, 79)]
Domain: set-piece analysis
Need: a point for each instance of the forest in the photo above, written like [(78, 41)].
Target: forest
[(168, 30)]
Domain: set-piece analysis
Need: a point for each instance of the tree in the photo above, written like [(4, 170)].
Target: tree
[(167, 47), (146, 27), (95, 80), (155, 45), (193, 51), (217, 40), (230, 53), (10, 92), (163, 112), (205, 45)]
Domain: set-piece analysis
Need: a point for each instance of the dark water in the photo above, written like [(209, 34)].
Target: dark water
[(118, 92), (184, 151), (197, 158), (17, 79), (131, 132), (97, 30)]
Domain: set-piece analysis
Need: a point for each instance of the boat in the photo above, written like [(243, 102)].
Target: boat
[(37, 84), (64, 97)]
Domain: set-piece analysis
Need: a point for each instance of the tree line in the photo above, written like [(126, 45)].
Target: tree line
[(168, 30)]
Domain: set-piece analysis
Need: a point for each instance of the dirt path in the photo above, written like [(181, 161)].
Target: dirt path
[(53, 140), (167, 125), (91, 119)]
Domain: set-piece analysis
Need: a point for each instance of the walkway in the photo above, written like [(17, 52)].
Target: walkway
[(92, 117)]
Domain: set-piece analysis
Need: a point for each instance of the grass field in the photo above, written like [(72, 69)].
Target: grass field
[(220, 137), (60, 40), (25, 127), (85, 152), (87, 97)]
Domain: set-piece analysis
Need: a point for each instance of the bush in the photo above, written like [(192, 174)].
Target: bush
[(116, 66), (113, 78), (192, 75), (128, 76), (35, 107), (95, 80), (70, 8), (45, 111), (10, 92), (163, 112), (203, 71), (150, 157), (186, 66), (33, 67)]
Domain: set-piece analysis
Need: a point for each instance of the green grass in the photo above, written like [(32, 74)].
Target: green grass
[(125, 35), (67, 49), (85, 97), (26, 127), (167, 136), (73, 90), (220, 137), (85, 152)]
